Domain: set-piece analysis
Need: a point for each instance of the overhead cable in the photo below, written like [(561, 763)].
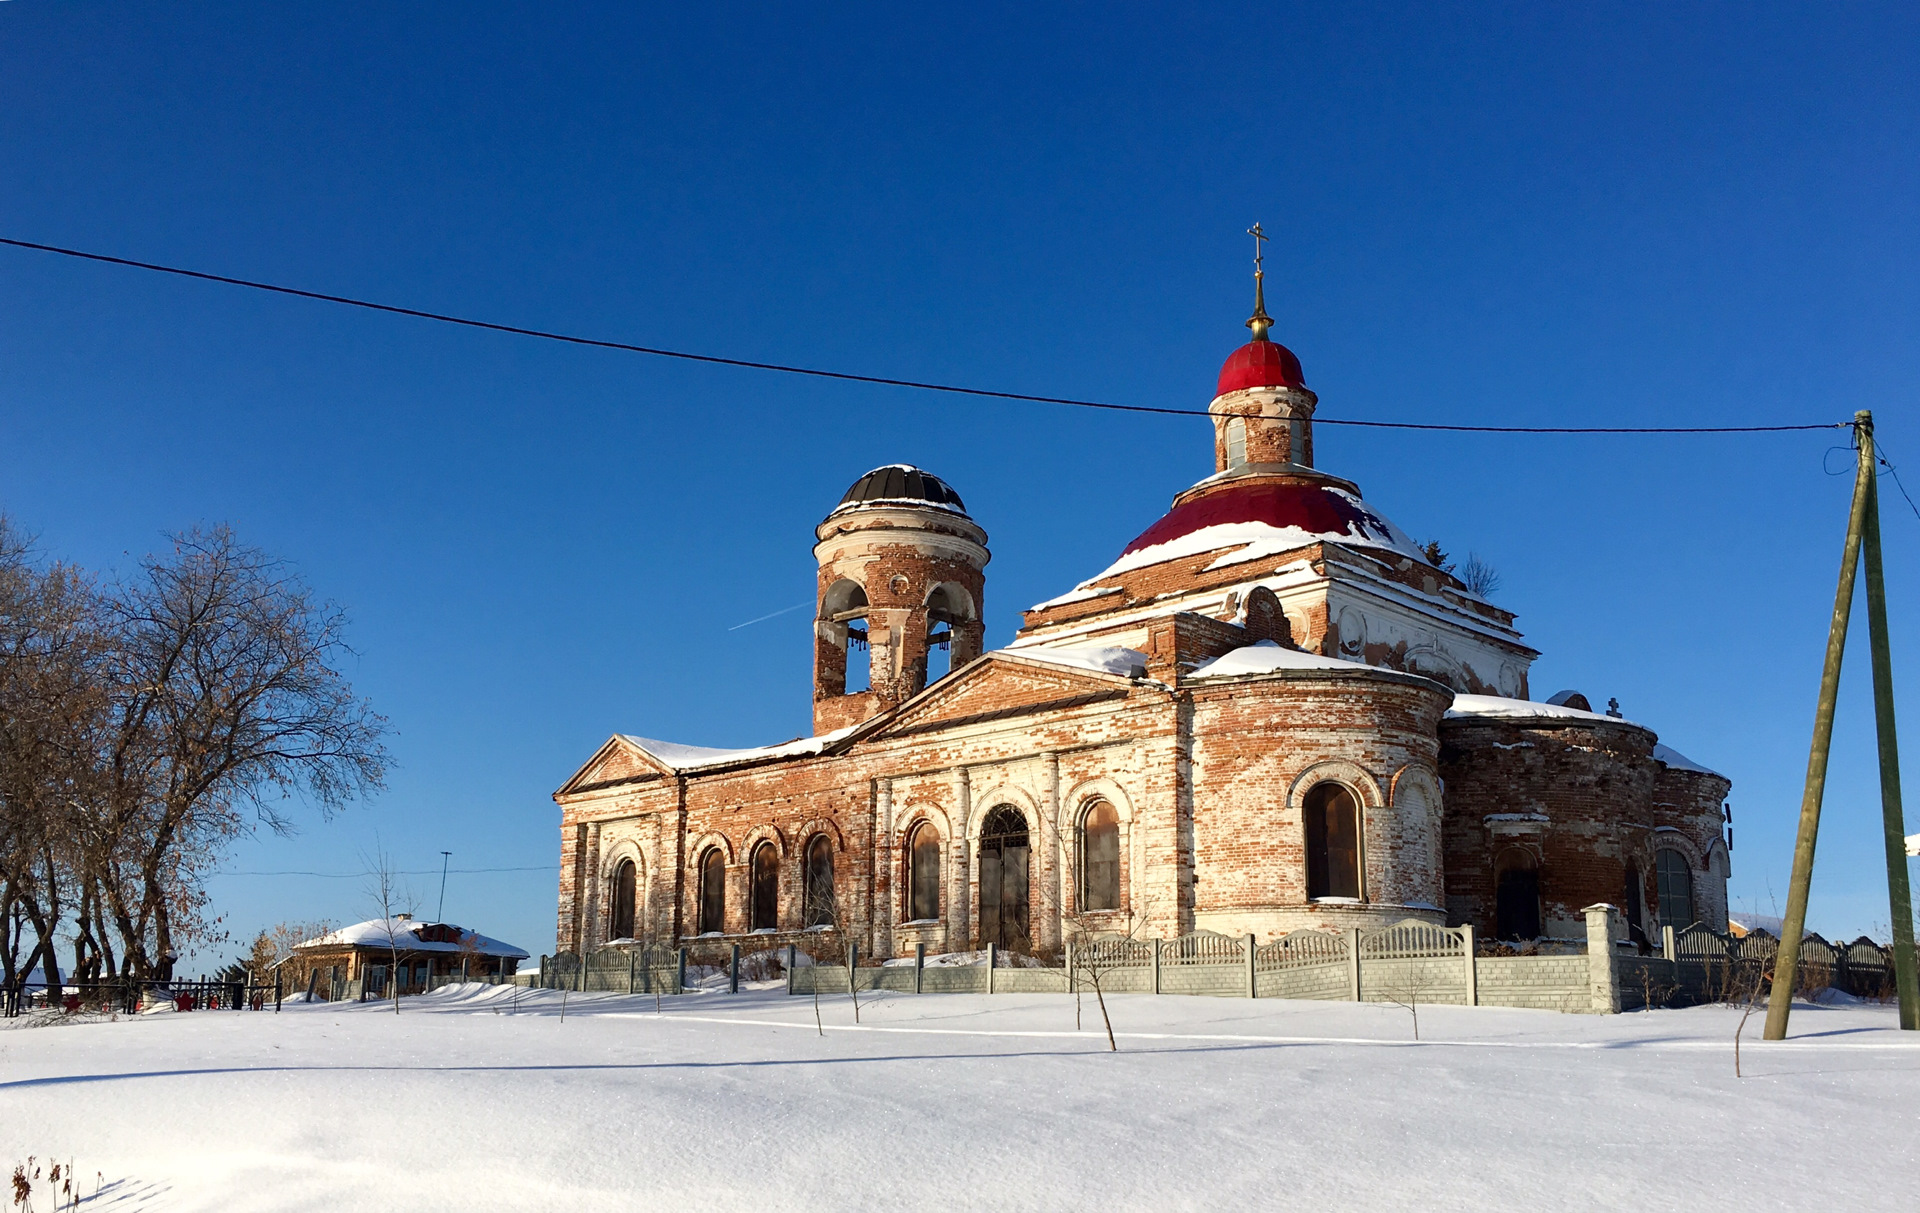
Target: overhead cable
[(880, 380)]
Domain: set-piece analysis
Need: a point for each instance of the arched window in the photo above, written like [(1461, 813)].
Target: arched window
[(1236, 441), (923, 876), (1516, 894), (1675, 880), (1003, 879), (1100, 858), (713, 891), (1333, 842), (764, 890), (626, 893), (819, 877)]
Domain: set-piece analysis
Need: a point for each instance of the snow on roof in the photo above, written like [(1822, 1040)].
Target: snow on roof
[(1265, 657), (1335, 516), (1101, 659), (405, 933), (1678, 761), (1526, 709), (1080, 593), (693, 757)]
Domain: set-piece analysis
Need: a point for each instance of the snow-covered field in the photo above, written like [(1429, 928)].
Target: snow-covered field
[(464, 1102)]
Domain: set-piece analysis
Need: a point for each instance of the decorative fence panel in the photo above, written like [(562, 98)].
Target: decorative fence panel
[(1406, 962)]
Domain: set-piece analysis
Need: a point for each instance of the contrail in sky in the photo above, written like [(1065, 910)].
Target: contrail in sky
[(782, 611)]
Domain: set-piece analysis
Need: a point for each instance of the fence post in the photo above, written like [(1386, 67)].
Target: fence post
[(1473, 966), (276, 991), (1353, 961), (680, 977), (733, 971), (1667, 948), (1253, 982), (1156, 966), (919, 964), (1071, 986), (853, 965), (791, 950), (1603, 985), (632, 964), (990, 959)]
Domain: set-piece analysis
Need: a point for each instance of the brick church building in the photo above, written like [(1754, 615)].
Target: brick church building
[(1270, 712)]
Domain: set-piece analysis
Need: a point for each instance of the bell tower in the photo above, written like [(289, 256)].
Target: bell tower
[(902, 574)]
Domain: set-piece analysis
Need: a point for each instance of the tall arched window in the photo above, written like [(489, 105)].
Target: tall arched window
[(819, 882), (1675, 879), (626, 893), (764, 890), (713, 891), (1100, 858), (923, 875), (1516, 894), (1333, 842), (1236, 441)]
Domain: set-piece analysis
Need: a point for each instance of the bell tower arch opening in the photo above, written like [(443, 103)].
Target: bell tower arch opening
[(902, 578)]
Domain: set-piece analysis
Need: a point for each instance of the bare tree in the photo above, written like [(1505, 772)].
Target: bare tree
[(388, 899), (1409, 987), (228, 701), (1481, 579)]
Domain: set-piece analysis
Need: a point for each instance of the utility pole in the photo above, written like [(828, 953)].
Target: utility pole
[(1863, 530), (1899, 895), (1786, 964), (444, 856)]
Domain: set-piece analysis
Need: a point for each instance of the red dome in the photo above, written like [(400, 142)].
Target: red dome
[(1260, 364), (1317, 510)]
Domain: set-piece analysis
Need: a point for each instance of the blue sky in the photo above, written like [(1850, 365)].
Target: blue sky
[(1552, 215)]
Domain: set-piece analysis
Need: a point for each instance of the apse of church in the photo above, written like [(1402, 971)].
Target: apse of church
[(1269, 712)]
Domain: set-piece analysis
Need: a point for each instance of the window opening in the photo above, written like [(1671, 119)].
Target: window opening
[(1635, 905), (844, 609), (713, 892), (923, 880), (1333, 842), (765, 891), (1003, 879), (625, 893), (1675, 880), (1100, 858), (1236, 441), (941, 617), (1516, 899), (820, 907)]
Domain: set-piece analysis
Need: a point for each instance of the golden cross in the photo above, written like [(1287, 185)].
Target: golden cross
[(1259, 239)]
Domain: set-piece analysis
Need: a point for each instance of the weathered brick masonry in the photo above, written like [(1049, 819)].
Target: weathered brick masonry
[(1245, 725)]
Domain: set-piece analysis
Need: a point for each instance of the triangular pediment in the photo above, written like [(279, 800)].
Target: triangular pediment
[(617, 761), (998, 685)]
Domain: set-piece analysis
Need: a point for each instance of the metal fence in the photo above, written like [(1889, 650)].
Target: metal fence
[(129, 996)]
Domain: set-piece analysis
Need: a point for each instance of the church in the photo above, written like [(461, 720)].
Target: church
[(1272, 711)]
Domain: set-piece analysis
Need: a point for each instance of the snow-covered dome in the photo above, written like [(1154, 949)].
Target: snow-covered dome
[(1271, 514), (901, 483), (1260, 363)]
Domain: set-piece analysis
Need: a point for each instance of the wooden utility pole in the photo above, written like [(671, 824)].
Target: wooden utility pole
[(1786, 966), (1899, 896)]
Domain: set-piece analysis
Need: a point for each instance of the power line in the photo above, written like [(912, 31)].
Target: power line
[(880, 380)]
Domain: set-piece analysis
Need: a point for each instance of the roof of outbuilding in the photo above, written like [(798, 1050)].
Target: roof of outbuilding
[(404, 934)]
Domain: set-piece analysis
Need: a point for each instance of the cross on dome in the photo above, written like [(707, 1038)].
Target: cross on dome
[(1260, 322)]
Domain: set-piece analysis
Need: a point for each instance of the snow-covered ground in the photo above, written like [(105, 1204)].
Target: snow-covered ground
[(464, 1102)]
